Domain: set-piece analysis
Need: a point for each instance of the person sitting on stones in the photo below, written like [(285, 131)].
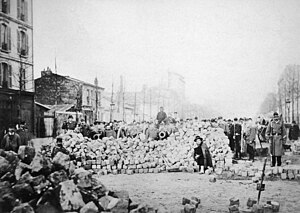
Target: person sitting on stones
[(109, 132), (202, 155), (59, 148), (11, 141)]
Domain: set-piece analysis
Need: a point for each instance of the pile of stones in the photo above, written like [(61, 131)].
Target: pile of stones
[(252, 206), (32, 182)]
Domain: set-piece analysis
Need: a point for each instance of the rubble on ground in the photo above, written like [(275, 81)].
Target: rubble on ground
[(40, 184)]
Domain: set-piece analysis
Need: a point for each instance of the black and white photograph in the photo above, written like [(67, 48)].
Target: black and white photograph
[(149, 106)]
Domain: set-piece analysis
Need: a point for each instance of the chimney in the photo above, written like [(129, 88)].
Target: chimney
[(46, 72)]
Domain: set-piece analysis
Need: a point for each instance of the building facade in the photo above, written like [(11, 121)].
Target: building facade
[(54, 89), (16, 63)]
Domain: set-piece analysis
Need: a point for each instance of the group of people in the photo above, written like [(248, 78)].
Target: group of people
[(15, 137)]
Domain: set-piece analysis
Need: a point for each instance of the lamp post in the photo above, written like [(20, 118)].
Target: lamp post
[(112, 105), (287, 102)]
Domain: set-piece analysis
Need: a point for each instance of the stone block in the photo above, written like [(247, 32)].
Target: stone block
[(212, 179), (219, 171), (251, 173), (146, 170), (257, 208), (268, 208), (275, 206), (70, 196), (251, 202), (141, 171), (244, 174), (129, 172), (23, 208), (155, 170), (89, 208), (185, 201), (234, 201), (233, 208), (290, 176), (188, 208), (283, 176)]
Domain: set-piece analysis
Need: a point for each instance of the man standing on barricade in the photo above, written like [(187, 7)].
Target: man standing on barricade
[(161, 116), (276, 134)]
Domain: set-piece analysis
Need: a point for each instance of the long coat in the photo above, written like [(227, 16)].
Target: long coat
[(276, 133), (204, 158)]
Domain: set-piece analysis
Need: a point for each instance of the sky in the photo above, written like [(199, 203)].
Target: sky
[(231, 53)]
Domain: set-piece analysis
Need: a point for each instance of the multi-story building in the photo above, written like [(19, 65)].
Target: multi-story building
[(54, 89), (16, 63)]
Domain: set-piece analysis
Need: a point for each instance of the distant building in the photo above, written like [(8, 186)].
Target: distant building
[(16, 63), (54, 89)]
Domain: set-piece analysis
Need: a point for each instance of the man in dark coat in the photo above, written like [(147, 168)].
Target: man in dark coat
[(294, 131), (59, 148), (230, 135), (161, 116), (70, 124), (237, 135), (202, 155), (11, 141), (276, 133)]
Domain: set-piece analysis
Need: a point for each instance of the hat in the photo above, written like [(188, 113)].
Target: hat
[(275, 115), (70, 116), (198, 138)]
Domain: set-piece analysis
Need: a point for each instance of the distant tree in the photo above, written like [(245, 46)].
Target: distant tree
[(269, 104)]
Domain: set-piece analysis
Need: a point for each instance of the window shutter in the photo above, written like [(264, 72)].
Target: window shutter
[(1, 31), (26, 44), (9, 38), (19, 9), (1, 75), (26, 10), (1, 6), (8, 6), (9, 76), (19, 42)]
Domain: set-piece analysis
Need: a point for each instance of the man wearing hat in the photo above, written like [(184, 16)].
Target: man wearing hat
[(202, 155), (276, 134), (59, 148), (70, 124)]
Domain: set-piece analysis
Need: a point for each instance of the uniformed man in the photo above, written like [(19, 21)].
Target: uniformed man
[(237, 135), (276, 134)]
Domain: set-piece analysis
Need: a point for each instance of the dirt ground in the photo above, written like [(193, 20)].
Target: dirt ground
[(166, 190)]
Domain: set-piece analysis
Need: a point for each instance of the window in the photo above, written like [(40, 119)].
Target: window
[(22, 43), (22, 7), (5, 37), (5, 6), (5, 75), (88, 97), (22, 79)]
